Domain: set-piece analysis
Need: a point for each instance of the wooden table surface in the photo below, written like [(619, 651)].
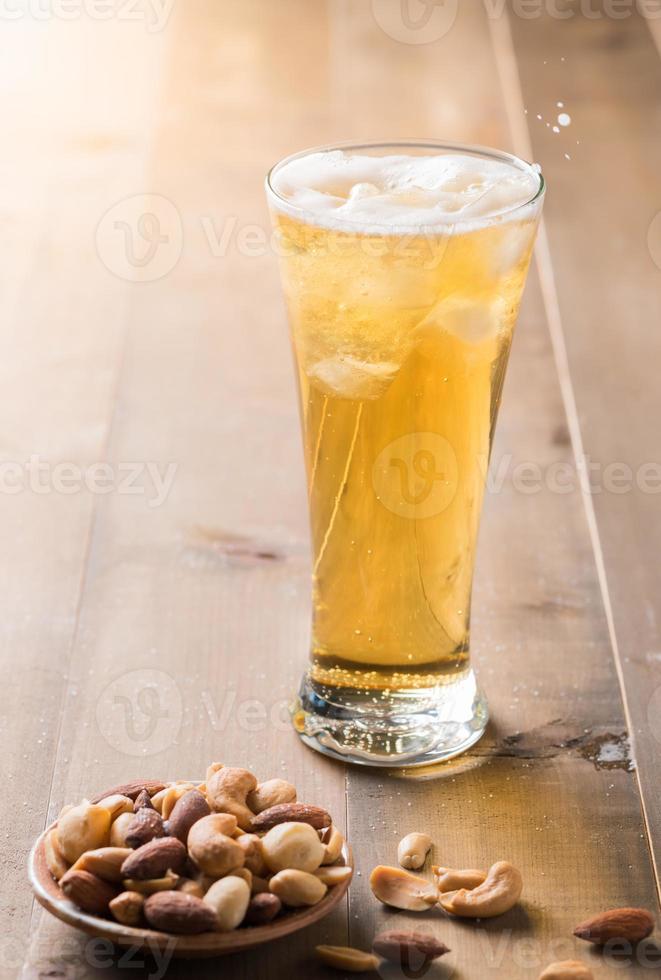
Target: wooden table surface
[(168, 354)]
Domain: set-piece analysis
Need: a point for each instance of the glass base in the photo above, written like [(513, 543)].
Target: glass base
[(404, 728)]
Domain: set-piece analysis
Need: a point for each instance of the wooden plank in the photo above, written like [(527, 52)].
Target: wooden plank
[(533, 792), (208, 593), (61, 337), (610, 303), (207, 596)]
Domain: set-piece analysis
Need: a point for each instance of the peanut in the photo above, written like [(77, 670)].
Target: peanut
[(229, 898), (119, 829), (297, 888), (402, 890), (567, 970), (413, 850), (333, 876), (347, 958)]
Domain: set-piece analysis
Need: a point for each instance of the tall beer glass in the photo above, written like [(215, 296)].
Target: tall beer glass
[(403, 267)]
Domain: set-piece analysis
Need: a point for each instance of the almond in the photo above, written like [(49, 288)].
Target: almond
[(154, 858), (630, 925), (316, 816), (88, 892), (142, 801), (145, 825), (410, 950), (131, 789), (177, 912), (188, 809)]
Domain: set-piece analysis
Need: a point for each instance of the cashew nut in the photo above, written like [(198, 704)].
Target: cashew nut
[(83, 828), (212, 850), (270, 793), (413, 850), (402, 890), (211, 769), (297, 888), (332, 840), (117, 804), (227, 790), (253, 853), (567, 970), (292, 845), (498, 893), (54, 857), (229, 898), (449, 880), (104, 862)]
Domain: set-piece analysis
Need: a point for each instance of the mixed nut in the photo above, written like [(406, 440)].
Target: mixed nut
[(188, 858)]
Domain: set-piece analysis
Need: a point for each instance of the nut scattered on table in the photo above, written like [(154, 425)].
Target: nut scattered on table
[(413, 850), (347, 958), (402, 890), (410, 950), (498, 893), (567, 970), (188, 859), (450, 880), (627, 924)]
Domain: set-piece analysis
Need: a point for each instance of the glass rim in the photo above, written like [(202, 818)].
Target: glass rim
[(447, 145)]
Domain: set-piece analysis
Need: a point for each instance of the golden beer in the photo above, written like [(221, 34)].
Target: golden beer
[(402, 333)]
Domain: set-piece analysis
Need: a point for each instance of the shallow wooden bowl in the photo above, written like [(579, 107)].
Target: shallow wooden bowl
[(50, 895)]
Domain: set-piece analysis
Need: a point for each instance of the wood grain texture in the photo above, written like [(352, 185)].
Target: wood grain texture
[(610, 305), (203, 600), (60, 343), (532, 791)]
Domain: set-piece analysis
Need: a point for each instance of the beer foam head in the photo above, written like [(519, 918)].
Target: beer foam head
[(359, 192)]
